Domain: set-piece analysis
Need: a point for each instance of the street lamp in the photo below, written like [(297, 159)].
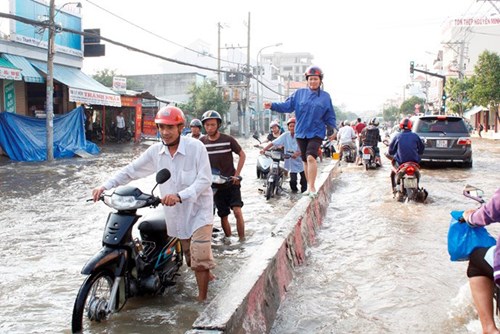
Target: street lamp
[(259, 78), (49, 108)]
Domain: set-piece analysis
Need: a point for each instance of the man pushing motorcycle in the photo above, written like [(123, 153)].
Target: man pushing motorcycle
[(186, 197)]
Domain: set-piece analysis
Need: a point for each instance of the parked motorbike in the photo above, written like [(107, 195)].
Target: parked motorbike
[(96, 132), (263, 162), (112, 134), (276, 174), (406, 181), (127, 266), (369, 158), (347, 153), (327, 148)]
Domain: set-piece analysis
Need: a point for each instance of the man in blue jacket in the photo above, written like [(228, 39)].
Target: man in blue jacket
[(406, 146), (315, 115)]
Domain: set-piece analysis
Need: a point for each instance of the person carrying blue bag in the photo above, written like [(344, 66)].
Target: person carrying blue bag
[(484, 264)]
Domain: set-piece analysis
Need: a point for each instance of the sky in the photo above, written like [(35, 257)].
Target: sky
[(364, 47)]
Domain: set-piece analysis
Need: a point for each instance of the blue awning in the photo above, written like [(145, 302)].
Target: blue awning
[(27, 70), (82, 88)]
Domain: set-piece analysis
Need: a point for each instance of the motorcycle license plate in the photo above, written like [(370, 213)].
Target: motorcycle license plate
[(410, 183), (366, 156)]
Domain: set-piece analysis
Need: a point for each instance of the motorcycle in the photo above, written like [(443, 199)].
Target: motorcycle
[(406, 182), (112, 134), (347, 153), (276, 174), (327, 148), (127, 266), (369, 158), (263, 162)]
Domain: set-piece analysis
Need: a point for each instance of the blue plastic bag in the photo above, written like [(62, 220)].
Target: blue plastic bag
[(463, 239)]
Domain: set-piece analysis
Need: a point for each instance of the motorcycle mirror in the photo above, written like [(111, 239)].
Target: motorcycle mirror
[(162, 176), (256, 136), (474, 193)]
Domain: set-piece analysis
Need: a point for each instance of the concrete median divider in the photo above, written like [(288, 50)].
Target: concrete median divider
[(250, 303)]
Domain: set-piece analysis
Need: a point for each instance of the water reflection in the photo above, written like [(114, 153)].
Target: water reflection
[(382, 266)]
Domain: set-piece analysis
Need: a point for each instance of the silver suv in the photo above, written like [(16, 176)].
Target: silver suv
[(446, 138)]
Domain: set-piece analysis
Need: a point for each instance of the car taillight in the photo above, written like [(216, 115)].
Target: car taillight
[(410, 170), (464, 141)]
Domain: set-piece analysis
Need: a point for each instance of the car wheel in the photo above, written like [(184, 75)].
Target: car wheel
[(467, 164)]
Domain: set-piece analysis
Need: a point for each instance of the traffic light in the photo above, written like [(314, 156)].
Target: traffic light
[(443, 103), (412, 65)]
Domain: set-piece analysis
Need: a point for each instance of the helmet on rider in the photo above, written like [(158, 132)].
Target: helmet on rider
[(196, 122), (405, 124), (291, 120), (374, 121), (273, 123), (314, 70), (170, 115), (211, 114)]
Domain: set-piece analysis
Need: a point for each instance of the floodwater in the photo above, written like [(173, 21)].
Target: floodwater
[(379, 266), (382, 267), (49, 231)]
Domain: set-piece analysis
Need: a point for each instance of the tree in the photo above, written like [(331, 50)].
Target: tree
[(408, 106), (106, 75), (204, 97), (458, 90), (391, 113), (485, 86)]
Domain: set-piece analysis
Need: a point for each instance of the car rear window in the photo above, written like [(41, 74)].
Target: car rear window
[(448, 125)]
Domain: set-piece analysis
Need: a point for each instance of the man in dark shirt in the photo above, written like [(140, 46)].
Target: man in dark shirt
[(370, 136), (220, 149)]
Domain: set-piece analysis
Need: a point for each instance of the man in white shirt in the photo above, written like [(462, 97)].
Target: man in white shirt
[(187, 196), (346, 136), (120, 126)]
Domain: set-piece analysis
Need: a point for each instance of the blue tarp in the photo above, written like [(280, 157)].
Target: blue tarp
[(25, 138)]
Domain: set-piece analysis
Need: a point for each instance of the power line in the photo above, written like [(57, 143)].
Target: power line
[(156, 35)]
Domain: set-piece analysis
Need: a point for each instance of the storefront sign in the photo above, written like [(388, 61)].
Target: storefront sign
[(88, 97), (9, 96), (10, 73), (130, 101)]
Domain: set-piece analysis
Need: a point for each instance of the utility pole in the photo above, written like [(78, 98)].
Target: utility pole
[(49, 108), (247, 85), (218, 55)]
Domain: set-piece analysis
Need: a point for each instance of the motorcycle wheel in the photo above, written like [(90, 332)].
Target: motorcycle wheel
[(270, 190), (258, 173), (411, 194), (127, 136), (92, 299)]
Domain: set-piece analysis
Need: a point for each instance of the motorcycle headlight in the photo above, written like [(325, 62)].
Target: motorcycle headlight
[(119, 202), (276, 155)]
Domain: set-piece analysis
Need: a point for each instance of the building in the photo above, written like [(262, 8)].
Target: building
[(23, 68)]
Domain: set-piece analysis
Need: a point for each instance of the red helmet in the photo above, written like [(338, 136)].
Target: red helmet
[(291, 120), (170, 115), (405, 124), (314, 70)]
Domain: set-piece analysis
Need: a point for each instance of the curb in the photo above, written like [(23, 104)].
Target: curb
[(251, 301)]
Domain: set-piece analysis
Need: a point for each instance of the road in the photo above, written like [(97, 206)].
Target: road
[(380, 265)]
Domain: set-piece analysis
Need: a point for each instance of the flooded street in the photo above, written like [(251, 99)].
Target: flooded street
[(379, 266), (49, 231), (382, 266)]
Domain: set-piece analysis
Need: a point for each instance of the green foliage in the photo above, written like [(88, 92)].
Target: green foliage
[(457, 91), (391, 113), (342, 115), (105, 77), (204, 97), (485, 84), (408, 106)]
